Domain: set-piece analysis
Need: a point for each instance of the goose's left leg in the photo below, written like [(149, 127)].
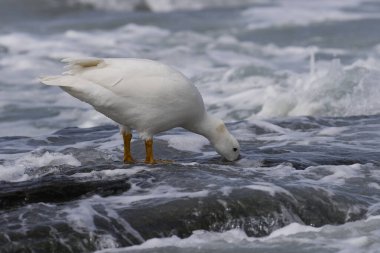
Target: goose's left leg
[(127, 137)]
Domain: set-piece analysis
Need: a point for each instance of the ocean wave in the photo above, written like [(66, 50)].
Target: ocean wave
[(298, 12), (327, 238), (34, 166), (334, 90), (247, 85), (239, 80), (238, 77), (164, 5), (251, 87)]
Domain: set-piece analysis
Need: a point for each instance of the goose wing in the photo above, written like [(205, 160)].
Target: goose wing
[(129, 77)]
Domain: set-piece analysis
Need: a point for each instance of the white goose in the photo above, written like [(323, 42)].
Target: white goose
[(144, 95)]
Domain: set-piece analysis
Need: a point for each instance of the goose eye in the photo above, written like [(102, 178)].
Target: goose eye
[(234, 149)]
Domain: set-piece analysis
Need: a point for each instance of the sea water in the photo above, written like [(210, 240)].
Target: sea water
[(296, 81)]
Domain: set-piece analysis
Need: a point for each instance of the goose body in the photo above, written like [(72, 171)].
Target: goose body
[(144, 95)]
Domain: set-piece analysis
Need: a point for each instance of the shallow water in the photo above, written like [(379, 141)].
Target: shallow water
[(297, 82)]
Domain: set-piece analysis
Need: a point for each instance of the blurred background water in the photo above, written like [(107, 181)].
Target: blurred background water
[(297, 82)]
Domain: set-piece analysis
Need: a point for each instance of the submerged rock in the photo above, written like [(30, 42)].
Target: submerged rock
[(53, 189), (98, 202)]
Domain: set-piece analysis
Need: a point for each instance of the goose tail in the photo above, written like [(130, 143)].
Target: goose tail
[(63, 81)]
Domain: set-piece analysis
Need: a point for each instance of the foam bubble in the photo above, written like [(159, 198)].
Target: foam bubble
[(357, 242), (332, 131), (292, 229)]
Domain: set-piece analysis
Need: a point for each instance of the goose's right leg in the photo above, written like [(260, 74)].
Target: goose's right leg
[(149, 152), (127, 137)]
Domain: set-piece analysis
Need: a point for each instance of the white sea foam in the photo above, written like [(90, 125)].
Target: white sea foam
[(235, 91), (361, 236), (291, 229), (269, 126), (267, 187), (339, 174), (163, 5), (332, 131), (321, 178), (298, 12), (81, 219), (226, 190), (374, 185), (30, 166), (137, 194), (186, 142), (333, 94), (111, 173), (336, 88), (158, 193)]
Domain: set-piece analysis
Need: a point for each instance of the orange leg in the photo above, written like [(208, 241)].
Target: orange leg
[(149, 152), (127, 137)]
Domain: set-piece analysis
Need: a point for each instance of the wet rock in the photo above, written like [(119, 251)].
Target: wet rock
[(53, 189)]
